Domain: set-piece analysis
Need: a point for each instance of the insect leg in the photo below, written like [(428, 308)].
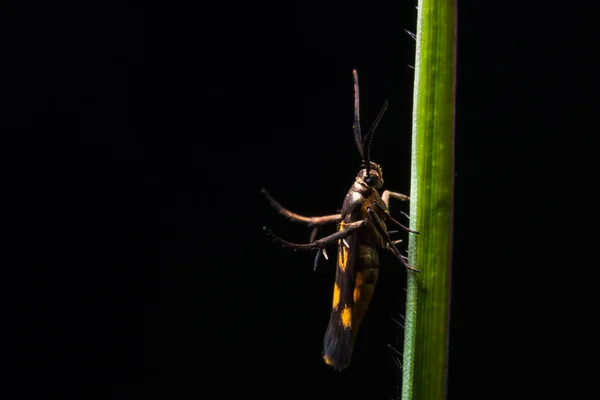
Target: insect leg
[(323, 242), (406, 228), (313, 234), (377, 222), (399, 196), (318, 257), (380, 208), (391, 247), (326, 219)]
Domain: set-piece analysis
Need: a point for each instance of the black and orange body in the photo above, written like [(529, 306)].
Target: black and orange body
[(361, 235), (357, 270)]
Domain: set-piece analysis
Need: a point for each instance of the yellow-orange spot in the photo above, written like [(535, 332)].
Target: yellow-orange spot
[(346, 317), (327, 360), (360, 278), (356, 294), (343, 252), (342, 257), (336, 295), (358, 283)]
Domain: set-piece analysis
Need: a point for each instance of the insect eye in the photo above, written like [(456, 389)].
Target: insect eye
[(370, 180)]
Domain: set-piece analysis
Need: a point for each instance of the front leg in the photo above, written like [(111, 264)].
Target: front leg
[(387, 213), (387, 194), (311, 221)]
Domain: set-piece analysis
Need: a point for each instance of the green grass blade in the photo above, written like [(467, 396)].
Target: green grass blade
[(428, 293)]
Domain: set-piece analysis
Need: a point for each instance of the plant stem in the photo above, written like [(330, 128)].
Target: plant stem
[(432, 172)]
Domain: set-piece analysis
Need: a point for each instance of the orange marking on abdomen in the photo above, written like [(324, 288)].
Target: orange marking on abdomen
[(343, 252), (342, 257), (358, 283), (336, 295), (347, 317)]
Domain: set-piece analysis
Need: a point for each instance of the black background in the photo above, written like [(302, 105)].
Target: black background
[(149, 132)]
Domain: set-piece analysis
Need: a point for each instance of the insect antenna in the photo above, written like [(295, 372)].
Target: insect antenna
[(369, 138), (360, 141), (357, 134)]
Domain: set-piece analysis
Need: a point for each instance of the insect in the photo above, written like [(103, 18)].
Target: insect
[(361, 234)]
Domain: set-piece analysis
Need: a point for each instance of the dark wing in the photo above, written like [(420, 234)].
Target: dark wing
[(339, 337), (340, 334)]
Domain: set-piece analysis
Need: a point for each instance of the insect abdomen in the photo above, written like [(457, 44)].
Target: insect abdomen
[(365, 279), (353, 290)]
